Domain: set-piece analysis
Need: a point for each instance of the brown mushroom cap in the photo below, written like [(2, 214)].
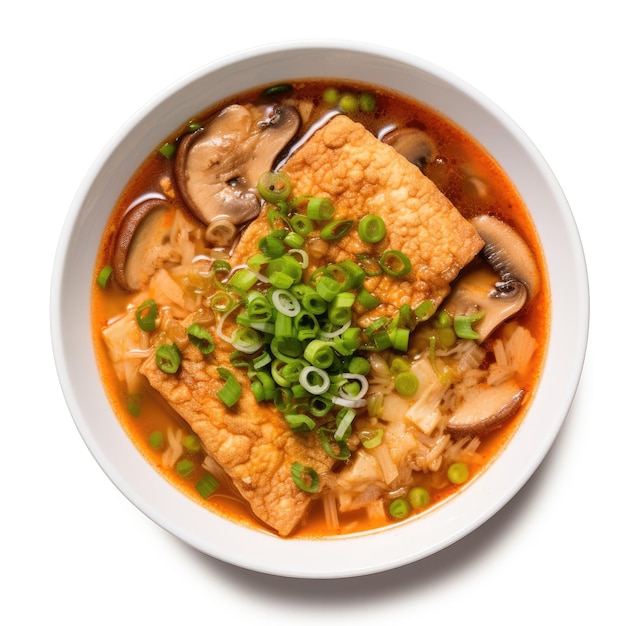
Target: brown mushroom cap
[(217, 168), (483, 290), (502, 287), (145, 226), (507, 252), (486, 409), (412, 143)]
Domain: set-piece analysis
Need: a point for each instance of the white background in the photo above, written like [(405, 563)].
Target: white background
[(71, 546)]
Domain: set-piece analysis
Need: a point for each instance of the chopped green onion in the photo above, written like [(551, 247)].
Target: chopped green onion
[(305, 478), (369, 265), (319, 354), (399, 508), (146, 315), (299, 422), (395, 263), (230, 392), (207, 485), (328, 288), (201, 338), (463, 325), (184, 467), (344, 421), (443, 319), (406, 383), (264, 387), (446, 337), (458, 473), (242, 280), (315, 380), (372, 229), (221, 302), (168, 150), (375, 403), (247, 340), (103, 276), (367, 102), (320, 406), (418, 497), (349, 103), (371, 439), (367, 300), (400, 339), (283, 399), (191, 443), (320, 209), (359, 365), (331, 96), (286, 265), (340, 308), (286, 303), (306, 325), (295, 241), (271, 246), (276, 90), (292, 370), (261, 360), (156, 439), (336, 230), (337, 450), (133, 404), (301, 224), (286, 348), (168, 358), (424, 310), (274, 186)]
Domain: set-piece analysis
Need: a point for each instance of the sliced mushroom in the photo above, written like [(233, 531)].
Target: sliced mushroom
[(217, 168), (144, 227), (413, 144), (487, 409), (483, 290), (503, 287), (507, 252)]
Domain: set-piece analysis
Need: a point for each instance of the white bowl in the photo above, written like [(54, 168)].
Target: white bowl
[(373, 551)]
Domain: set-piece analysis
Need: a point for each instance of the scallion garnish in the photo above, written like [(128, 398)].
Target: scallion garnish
[(395, 263), (230, 392), (372, 229), (406, 383), (207, 485), (274, 186), (201, 338), (146, 315), (168, 358), (336, 230), (184, 467), (463, 325), (103, 276), (320, 209), (305, 478)]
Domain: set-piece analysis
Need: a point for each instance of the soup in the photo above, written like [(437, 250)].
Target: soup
[(319, 308)]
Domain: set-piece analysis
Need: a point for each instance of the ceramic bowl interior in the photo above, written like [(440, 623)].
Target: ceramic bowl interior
[(357, 554)]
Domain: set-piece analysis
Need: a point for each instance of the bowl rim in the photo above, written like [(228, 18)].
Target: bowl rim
[(312, 558)]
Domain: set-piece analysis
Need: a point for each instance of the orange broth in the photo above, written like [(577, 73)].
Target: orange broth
[(460, 162)]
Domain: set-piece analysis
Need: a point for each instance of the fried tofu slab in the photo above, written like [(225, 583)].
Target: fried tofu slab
[(361, 175), (345, 163), (252, 442)]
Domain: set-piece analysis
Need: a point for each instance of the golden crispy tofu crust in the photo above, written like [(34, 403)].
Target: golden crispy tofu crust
[(252, 442), (361, 175)]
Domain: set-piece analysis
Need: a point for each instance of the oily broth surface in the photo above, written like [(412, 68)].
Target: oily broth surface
[(461, 170)]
